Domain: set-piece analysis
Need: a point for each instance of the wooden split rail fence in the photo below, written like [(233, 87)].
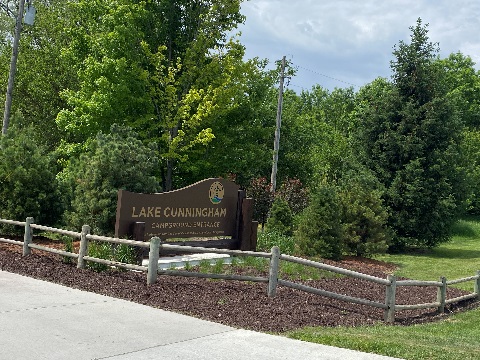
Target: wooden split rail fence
[(155, 247)]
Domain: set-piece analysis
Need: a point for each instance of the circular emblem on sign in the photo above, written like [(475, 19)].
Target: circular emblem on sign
[(216, 192)]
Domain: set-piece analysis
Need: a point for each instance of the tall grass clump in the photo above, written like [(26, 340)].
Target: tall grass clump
[(99, 250), (270, 238)]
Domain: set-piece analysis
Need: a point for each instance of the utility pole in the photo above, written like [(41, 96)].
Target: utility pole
[(13, 67), (276, 145)]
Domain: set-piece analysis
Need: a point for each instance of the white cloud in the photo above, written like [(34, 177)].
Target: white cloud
[(345, 37)]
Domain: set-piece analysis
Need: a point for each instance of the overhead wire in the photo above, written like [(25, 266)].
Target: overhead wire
[(318, 73)]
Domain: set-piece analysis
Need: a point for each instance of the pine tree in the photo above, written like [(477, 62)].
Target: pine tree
[(410, 138)]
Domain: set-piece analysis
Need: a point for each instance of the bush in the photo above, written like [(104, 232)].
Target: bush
[(281, 218), (270, 238), (295, 194), (28, 185), (364, 217), (346, 216), (113, 161), (99, 250), (320, 229), (125, 254)]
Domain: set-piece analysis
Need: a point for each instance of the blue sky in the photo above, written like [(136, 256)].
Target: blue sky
[(339, 43)]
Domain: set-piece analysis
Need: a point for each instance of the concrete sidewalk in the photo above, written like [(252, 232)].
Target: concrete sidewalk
[(41, 320)]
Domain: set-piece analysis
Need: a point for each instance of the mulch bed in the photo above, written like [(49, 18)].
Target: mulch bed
[(240, 304)]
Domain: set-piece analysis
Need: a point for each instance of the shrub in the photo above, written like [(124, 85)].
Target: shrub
[(364, 217), (125, 254), (28, 186), (113, 161), (281, 218), (270, 238), (99, 250), (68, 247), (320, 229), (295, 194)]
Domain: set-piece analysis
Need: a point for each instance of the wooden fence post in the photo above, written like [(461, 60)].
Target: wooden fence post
[(83, 246), (27, 237), (153, 256), (246, 226), (442, 295), (477, 285), (389, 315), (273, 272)]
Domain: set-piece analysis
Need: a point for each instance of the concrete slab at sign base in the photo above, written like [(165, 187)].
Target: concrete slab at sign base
[(180, 261)]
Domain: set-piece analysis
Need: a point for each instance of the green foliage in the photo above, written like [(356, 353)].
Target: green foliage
[(205, 266), (346, 216), (363, 215), (270, 238), (99, 250), (68, 247), (28, 187), (295, 194), (280, 218), (104, 52), (113, 161), (218, 266), (41, 74), (103, 250), (162, 68), (410, 137), (258, 263), (320, 230), (241, 126), (125, 254), (462, 82), (316, 126), (471, 150)]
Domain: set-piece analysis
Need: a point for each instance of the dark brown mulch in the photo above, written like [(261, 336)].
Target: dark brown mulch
[(240, 304)]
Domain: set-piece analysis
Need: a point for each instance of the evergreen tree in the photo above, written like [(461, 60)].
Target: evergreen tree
[(113, 161), (410, 135), (281, 218), (320, 229), (28, 187)]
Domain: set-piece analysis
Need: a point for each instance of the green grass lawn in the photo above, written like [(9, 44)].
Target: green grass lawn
[(457, 337), (456, 259)]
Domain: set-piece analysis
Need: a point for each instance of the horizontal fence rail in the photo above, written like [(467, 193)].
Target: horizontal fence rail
[(334, 269), (332, 295), (156, 246)]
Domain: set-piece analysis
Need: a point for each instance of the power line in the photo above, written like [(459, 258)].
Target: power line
[(327, 76), (8, 7)]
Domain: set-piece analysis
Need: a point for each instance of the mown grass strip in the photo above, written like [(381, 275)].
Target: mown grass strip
[(456, 337)]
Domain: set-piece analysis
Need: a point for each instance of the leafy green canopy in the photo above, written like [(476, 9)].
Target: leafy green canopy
[(162, 67), (41, 73)]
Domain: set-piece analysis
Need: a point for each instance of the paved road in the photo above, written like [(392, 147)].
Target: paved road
[(41, 320)]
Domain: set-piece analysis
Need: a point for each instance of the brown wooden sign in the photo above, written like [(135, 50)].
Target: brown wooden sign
[(205, 209)]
